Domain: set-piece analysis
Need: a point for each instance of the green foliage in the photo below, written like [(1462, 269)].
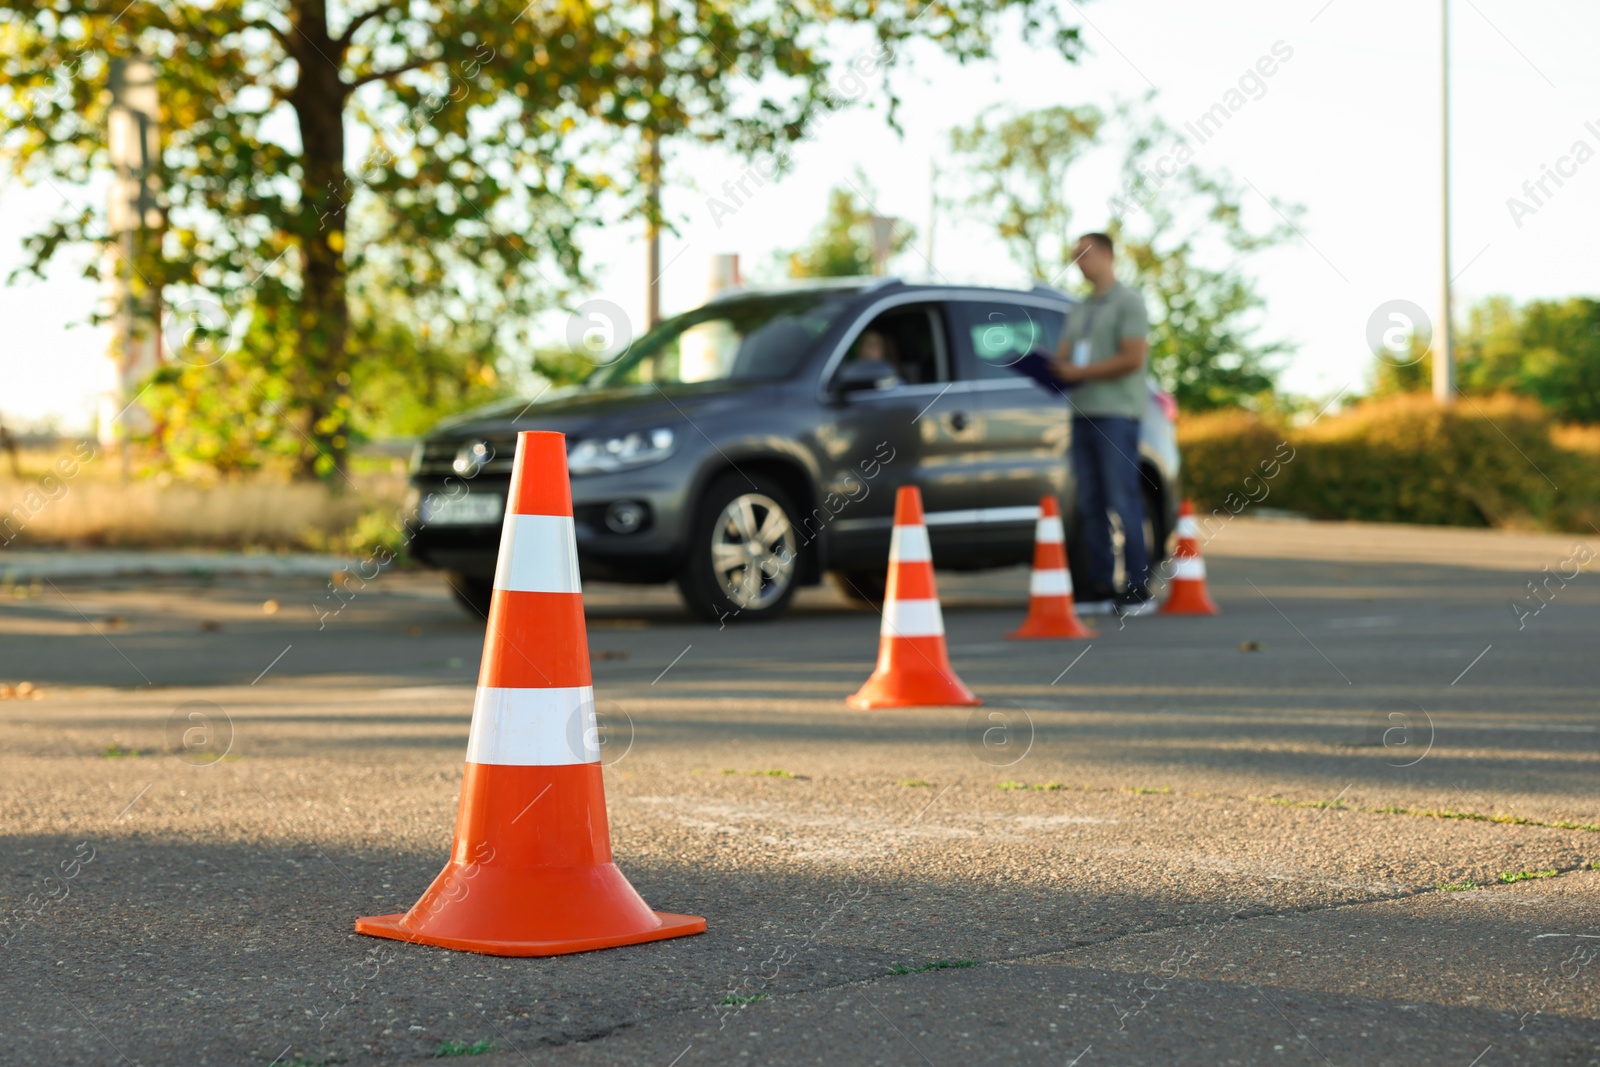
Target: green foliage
[(230, 416), (493, 131), (1168, 229), (1490, 462), (1547, 349), (841, 247), (462, 1048), (1020, 165), (1410, 373)]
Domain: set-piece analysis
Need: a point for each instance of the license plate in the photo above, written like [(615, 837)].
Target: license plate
[(474, 509)]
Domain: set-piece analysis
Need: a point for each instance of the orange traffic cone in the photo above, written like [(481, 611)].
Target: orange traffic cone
[(913, 666), (1187, 592), (1050, 612), (530, 873)]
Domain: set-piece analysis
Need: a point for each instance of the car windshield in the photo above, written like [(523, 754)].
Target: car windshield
[(756, 338)]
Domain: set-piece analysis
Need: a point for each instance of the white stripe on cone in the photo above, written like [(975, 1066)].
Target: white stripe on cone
[(912, 618), (1047, 531), (1187, 527), (1050, 583), (534, 727), (1193, 567), (909, 544), (538, 554)]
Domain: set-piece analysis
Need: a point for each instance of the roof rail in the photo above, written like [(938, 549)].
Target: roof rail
[(863, 282)]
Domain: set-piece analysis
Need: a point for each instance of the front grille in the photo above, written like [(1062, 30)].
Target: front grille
[(438, 457)]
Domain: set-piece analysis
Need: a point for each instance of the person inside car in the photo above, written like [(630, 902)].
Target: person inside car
[(873, 345)]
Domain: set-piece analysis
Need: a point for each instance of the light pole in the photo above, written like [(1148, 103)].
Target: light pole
[(133, 219), (1444, 376), (652, 133)]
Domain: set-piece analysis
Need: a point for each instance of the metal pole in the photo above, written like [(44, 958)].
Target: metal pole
[(652, 270), (1444, 383), (133, 216)]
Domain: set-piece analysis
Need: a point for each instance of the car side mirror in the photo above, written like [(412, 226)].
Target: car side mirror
[(863, 375)]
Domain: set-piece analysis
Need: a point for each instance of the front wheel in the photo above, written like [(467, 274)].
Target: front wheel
[(744, 554)]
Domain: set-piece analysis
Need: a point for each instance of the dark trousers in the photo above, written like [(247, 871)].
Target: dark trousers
[(1105, 461)]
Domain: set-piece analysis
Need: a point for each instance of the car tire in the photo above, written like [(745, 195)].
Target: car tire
[(744, 551), (1155, 524), (862, 588), (473, 594)]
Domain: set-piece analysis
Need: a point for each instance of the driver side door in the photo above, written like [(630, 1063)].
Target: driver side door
[(921, 431)]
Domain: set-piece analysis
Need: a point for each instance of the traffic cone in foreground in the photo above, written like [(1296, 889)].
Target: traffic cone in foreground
[(530, 873), (913, 667), (1050, 612), (1186, 593)]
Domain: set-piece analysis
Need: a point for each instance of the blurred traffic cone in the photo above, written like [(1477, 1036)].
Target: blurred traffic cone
[(530, 873), (913, 667), (1186, 593), (1050, 612)]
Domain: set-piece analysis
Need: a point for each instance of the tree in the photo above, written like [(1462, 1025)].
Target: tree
[(841, 247), (1170, 220), (1547, 349), (1021, 166), (489, 132)]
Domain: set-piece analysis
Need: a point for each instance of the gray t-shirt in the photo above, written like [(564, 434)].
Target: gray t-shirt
[(1105, 321)]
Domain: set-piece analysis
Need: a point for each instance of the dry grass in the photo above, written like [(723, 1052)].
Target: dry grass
[(96, 507), (1578, 437)]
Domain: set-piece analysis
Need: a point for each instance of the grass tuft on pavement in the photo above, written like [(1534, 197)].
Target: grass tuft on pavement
[(915, 783), (935, 965), (461, 1048), (1457, 887), (1524, 876), (118, 752), (734, 998)]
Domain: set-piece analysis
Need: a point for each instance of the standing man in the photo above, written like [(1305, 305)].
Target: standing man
[(1102, 353)]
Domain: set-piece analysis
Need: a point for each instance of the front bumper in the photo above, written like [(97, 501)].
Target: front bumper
[(653, 553)]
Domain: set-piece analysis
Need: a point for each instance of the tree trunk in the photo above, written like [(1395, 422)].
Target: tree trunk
[(318, 99)]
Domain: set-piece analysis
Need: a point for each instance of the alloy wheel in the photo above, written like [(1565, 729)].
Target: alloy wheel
[(753, 550)]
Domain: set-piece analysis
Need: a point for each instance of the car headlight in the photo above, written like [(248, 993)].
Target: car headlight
[(603, 455)]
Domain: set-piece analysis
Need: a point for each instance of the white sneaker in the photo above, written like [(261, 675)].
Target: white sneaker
[(1096, 607)]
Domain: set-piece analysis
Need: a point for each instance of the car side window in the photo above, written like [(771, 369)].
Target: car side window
[(993, 335), (911, 339)]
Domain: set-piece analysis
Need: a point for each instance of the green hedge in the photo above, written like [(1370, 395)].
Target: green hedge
[(1483, 462)]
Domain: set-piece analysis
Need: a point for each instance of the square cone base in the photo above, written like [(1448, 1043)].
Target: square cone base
[(671, 926)]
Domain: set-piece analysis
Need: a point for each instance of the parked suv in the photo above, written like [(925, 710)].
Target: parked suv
[(754, 445)]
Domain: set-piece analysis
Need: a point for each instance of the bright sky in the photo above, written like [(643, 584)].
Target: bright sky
[(1348, 127)]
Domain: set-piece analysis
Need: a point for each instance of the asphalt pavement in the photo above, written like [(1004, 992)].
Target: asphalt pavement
[(1355, 819)]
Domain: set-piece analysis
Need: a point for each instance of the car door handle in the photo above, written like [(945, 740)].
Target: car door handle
[(958, 420)]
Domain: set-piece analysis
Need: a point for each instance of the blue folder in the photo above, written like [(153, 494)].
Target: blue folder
[(1036, 365)]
